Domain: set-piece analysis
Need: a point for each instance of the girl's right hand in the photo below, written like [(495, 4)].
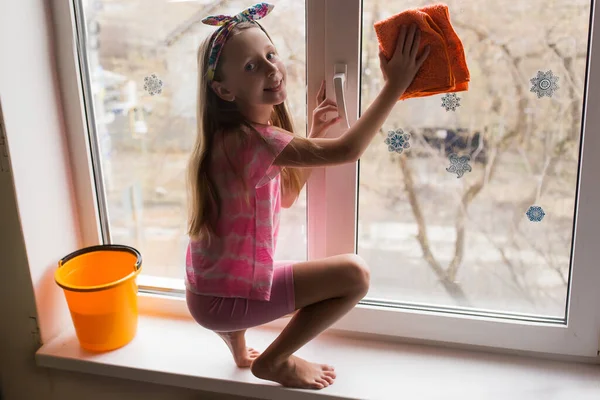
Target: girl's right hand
[(399, 73), (400, 70)]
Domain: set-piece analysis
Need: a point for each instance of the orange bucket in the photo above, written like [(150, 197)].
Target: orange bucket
[(101, 292)]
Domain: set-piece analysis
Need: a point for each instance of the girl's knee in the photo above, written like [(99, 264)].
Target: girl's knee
[(358, 272)]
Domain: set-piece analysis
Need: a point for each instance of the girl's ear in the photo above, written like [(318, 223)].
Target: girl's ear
[(221, 91)]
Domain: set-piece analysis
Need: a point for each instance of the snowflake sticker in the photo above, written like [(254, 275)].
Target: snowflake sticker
[(459, 165), (153, 85), (544, 84), (535, 213), (397, 141), (450, 101)]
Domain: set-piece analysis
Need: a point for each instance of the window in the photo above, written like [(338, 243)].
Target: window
[(142, 60), (455, 257), (464, 239)]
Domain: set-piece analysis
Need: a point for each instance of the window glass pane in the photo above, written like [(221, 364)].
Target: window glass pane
[(145, 137), (436, 236)]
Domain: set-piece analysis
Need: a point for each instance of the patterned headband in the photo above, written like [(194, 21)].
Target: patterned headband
[(226, 24)]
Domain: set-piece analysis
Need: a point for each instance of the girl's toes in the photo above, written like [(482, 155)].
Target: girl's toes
[(326, 367), (319, 384), (330, 374), (323, 382)]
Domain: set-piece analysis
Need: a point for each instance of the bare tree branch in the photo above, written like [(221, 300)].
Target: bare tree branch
[(467, 198), (574, 106), (451, 287), (561, 147)]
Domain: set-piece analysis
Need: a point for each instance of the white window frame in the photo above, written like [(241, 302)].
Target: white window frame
[(333, 36)]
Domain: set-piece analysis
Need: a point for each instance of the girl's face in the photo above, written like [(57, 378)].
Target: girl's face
[(253, 74)]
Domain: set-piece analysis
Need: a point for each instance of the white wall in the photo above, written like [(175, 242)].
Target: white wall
[(20, 379), (38, 224)]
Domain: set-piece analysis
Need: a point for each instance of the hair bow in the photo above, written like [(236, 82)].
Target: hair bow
[(226, 24)]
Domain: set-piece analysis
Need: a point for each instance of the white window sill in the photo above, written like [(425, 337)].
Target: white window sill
[(178, 352)]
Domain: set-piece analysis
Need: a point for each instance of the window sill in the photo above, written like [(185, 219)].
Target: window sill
[(187, 355)]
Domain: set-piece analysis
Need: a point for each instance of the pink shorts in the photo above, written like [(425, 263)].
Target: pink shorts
[(226, 314)]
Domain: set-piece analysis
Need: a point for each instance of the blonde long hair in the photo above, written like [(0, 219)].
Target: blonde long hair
[(215, 116)]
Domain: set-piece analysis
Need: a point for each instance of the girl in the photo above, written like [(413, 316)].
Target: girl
[(247, 164)]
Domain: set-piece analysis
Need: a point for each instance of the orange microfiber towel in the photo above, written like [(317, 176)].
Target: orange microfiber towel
[(445, 69)]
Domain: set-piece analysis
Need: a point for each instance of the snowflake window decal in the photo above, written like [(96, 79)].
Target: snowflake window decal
[(535, 213), (459, 165), (153, 85), (397, 141), (544, 84), (450, 101)]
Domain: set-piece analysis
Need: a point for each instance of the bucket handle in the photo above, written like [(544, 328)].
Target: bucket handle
[(115, 247)]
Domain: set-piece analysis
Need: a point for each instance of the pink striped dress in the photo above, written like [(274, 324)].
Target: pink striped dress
[(240, 263)]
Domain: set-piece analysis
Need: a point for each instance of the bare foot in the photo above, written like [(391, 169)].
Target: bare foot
[(236, 341), (294, 372)]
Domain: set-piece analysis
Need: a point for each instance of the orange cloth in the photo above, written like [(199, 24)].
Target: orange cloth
[(445, 70)]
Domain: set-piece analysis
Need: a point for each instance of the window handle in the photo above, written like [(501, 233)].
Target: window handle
[(339, 84)]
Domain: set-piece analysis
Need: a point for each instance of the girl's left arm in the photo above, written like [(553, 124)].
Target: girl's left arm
[(319, 127)]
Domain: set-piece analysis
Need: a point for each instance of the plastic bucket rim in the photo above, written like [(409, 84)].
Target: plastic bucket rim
[(106, 286)]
